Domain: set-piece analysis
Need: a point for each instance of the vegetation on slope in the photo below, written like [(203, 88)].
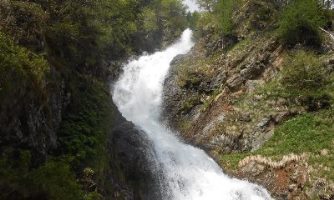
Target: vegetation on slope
[(260, 82), (55, 107)]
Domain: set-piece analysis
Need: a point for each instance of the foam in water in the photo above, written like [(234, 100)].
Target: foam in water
[(188, 173)]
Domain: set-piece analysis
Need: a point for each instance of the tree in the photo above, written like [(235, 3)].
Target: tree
[(207, 4), (225, 10), (300, 22)]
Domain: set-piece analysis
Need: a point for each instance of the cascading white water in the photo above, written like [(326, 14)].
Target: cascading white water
[(188, 173)]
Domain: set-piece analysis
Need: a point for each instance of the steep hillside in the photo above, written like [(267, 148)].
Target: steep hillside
[(61, 135), (258, 101)]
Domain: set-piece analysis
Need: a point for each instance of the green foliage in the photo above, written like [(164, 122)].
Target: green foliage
[(207, 21), (28, 24), (316, 132), (171, 18), (225, 9), (76, 39), (87, 120), (304, 78), (93, 196), (303, 74), (56, 180), (53, 180), (192, 19), (300, 22), (150, 20), (219, 18), (308, 133), (207, 5), (84, 34), (19, 69), (190, 103)]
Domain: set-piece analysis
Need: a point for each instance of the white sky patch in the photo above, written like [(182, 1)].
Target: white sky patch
[(192, 5)]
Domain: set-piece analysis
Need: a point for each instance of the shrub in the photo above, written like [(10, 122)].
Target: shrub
[(304, 77), (303, 74), (192, 19), (20, 69), (225, 9), (25, 22), (219, 19), (52, 180), (82, 131), (300, 22)]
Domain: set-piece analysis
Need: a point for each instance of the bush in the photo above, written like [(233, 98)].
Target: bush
[(225, 9), (304, 77), (25, 22), (82, 131), (21, 71), (52, 180), (192, 19), (300, 22), (303, 73)]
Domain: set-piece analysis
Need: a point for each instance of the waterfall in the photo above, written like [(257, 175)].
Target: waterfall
[(188, 173)]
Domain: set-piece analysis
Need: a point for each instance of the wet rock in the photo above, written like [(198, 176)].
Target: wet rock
[(131, 148), (264, 122), (32, 123)]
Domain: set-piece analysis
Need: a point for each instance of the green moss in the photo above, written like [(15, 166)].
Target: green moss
[(212, 98), (308, 133), (188, 104), (241, 47)]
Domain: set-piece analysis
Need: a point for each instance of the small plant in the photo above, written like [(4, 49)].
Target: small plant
[(190, 103)]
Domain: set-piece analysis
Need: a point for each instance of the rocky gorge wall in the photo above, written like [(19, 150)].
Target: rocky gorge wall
[(219, 97), (62, 137)]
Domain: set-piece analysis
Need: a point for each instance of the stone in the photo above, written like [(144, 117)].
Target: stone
[(251, 85), (245, 117), (252, 71), (324, 152), (264, 122), (292, 187), (281, 117), (331, 61), (235, 82)]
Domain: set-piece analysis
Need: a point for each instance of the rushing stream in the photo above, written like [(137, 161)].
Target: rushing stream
[(188, 172)]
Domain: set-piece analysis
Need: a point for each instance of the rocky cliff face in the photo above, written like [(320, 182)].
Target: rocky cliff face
[(216, 96), (132, 164), (203, 93)]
